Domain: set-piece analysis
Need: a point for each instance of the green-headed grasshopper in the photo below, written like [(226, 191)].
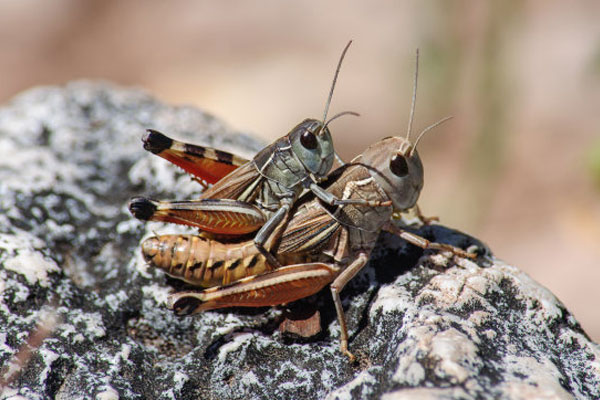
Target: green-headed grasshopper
[(321, 244), (253, 196)]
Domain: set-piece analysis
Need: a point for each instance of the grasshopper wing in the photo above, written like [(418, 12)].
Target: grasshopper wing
[(205, 163), (241, 184), (309, 229)]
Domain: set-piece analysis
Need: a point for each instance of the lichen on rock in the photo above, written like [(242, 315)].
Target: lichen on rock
[(424, 325)]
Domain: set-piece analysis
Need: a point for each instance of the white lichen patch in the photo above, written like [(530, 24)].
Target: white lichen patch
[(108, 393), (12, 243), (20, 292), (525, 374), (179, 379), (114, 300), (138, 264), (115, 364), (467, 264), (426, 394), (452, 354), (21, 254), (327, 378), (477, 283), (439, 259), (302, 378), (175, 392), (32, 265), (456, 354), (249, 379), (8, 393), (69, 332), (479, 317), (239, 342), (358, 387), (447, 288), (4, 348), (48, 357), (88, 324), (128, 226), (2, 283), (157, 292), (38, 169), (391, 298), (163, 176)]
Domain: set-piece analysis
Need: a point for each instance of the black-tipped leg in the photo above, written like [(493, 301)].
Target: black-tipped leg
[(185, 305), (155, 142), (142, 208)]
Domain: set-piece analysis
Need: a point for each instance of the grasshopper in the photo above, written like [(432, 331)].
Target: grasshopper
[(322, 244), (254, 196)]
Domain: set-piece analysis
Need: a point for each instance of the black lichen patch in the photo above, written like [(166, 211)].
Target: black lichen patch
[(174, 345), (45, 134), (468, 308), (58, 370), (506, 298)]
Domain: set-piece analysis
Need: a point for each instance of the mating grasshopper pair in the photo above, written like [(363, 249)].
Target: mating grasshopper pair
[(325, 238), (255, 194)]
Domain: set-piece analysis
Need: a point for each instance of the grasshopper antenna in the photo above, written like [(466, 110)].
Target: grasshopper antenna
[(336, 116), (430, 127), (414, 99), (412, 111), (337, 72)]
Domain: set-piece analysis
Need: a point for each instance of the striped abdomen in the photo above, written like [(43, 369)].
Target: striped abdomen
[(201, 261)]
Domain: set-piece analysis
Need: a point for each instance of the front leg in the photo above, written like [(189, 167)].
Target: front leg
[(267, 231), (410, 215), (426, 244)]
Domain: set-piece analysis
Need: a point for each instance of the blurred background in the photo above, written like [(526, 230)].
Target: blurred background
[(518, 166)]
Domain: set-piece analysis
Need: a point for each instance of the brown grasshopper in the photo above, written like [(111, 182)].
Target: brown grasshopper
[(253, 196), (321, 244)]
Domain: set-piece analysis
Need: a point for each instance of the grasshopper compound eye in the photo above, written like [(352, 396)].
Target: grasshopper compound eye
[(398, 165), (308, 140)]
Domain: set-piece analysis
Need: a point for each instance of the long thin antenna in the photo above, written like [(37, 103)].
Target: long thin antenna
[(336, 155), (337, 71), (336, 116), (430, 127), (414, 99)]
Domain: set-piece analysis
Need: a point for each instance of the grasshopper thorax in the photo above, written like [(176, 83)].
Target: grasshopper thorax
[(396, 167)]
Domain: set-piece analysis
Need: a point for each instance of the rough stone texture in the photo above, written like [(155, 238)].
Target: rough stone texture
[(423, 325)]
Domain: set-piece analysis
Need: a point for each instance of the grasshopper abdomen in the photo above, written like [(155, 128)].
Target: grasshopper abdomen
[(201, 261)]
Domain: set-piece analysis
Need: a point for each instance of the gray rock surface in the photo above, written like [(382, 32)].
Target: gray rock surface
[(424, 325)]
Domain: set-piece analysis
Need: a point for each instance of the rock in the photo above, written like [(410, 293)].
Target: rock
[(424, 325)]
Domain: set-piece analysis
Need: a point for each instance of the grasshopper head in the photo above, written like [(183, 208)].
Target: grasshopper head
[(311, 142), (395, 165)]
